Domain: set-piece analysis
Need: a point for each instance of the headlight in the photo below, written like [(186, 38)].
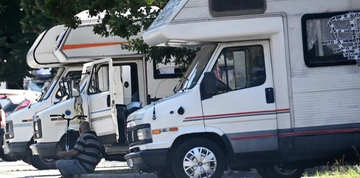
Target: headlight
[(9, 130), (131, 124), (37, 129), (36, 126), (144, 134), (138, 134)]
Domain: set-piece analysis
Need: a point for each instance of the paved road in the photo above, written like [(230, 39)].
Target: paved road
[(105, 169)]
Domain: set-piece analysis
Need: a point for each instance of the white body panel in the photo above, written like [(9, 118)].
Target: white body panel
[(304, 90), (22, 119), (54, 126), (303, 110), (81, 45), (41, 52)]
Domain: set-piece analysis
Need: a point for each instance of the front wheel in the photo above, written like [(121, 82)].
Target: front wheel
[(198, 158), (41, 162)]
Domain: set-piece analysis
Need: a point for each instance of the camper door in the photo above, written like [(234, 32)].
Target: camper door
[(101, 101), (244, 106)]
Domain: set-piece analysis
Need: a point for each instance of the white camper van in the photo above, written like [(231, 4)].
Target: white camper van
[(285, 96), (18, 131), (120, 82)]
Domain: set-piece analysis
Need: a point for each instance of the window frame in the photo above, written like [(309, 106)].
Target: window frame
[(313, 61), (235, 12), (95, 73), (248, 65)]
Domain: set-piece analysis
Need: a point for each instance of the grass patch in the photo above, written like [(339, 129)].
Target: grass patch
[(4, 173)]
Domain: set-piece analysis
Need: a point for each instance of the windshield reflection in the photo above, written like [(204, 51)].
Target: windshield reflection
[(196, 68), (51, 87)]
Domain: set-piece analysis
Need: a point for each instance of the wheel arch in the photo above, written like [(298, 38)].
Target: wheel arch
[(217, 139)]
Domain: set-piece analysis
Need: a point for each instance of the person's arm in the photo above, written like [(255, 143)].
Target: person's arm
[(67, 154), (2, 115)]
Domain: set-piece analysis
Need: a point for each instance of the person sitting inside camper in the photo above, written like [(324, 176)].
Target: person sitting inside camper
[(85, 155), (220, 84)]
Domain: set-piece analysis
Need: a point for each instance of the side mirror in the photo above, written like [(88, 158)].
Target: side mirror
[(208, 85), (75, 88), (75, 93)]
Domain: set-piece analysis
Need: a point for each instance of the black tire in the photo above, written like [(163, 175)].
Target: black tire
[(166, 173), (42, 163), (26, 160), (263, 172), (212, 163), (279, 172), (72, 136), (6, 157), (61, 146)]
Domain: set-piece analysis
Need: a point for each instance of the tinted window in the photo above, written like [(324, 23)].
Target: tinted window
[(236, 7), (241, 67)]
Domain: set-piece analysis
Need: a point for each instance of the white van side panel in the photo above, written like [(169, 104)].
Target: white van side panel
[(321, 95), (314, 101), (199, 9)]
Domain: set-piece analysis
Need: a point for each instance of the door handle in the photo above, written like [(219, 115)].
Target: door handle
[(269, 94), (108, 101)]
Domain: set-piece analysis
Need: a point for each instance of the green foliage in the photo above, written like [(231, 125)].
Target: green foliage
[(18, 31), (13, 66)]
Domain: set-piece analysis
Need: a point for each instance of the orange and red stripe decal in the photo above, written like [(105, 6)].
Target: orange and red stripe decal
[(90, 45)]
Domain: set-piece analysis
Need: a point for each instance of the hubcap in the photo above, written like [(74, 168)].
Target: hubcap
[(199, 162)]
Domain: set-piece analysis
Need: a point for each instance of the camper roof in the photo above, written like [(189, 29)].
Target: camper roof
[(82, 45), (59, 46), (196, 22), (40, 54)]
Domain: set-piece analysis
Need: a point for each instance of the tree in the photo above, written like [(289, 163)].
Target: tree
[(139, 15), (15, 43)]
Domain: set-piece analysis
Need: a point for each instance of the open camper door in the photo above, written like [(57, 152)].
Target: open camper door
[(101, 101), (246, 111)]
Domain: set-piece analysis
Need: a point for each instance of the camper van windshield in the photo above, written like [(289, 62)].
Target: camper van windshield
[(49, 90), (196, 68)]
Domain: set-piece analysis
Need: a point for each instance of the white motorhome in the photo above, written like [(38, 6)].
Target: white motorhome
[(120, 80), (286, 97), (18, 131)]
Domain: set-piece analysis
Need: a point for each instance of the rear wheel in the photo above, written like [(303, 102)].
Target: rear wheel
[(279, 171), (198, 158)]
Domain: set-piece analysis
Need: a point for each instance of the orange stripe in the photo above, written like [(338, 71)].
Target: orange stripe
[(90, 45)]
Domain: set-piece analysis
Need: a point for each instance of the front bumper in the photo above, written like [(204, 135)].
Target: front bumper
[(148, 160), (44, 149), (17, 149)]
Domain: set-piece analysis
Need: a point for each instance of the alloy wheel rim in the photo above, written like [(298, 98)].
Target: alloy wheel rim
[(199, 162)]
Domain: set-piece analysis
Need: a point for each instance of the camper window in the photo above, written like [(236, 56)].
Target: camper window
[(320, 44), (220, 8), (99, 81), (241, 67), (168, 70)]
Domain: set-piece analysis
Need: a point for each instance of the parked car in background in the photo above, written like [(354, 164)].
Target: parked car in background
[(12, 101), (16, 102), (11, 92)]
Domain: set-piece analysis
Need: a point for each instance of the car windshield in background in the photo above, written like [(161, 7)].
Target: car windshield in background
[(8, 106)]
